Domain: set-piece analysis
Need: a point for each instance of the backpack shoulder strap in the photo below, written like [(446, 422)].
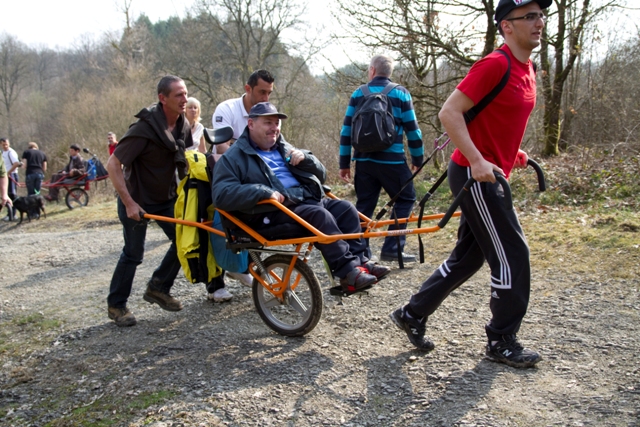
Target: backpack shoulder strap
[(476, 109), (388, 88), (365, 90)]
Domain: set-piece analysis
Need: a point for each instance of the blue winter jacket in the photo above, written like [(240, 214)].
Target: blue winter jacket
[(241, 178)]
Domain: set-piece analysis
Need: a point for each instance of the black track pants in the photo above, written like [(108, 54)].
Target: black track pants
[(487, 232)]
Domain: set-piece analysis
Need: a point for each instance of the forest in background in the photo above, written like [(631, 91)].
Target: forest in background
[(588, 77)]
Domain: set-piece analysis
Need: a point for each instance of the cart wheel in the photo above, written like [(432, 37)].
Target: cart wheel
[(76, 198), (301, 308)]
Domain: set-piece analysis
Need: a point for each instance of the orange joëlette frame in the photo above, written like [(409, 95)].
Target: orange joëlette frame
[(277, 287), (317, 237)]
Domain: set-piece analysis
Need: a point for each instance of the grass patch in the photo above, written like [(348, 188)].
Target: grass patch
[(37, 321), (590, 239), (111, 410)]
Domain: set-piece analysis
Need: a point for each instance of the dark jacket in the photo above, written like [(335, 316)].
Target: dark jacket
[(152, 125), (75, 166), (241, 178)]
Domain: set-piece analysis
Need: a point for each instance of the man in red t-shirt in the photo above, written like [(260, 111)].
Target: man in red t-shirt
[(113, 142), (487, 145)]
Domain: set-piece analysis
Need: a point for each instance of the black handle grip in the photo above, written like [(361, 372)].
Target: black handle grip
[(542, 185), (508, 201)]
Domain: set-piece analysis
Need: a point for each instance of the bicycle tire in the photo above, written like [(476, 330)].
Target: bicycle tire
[(76, 198), (301, 309)]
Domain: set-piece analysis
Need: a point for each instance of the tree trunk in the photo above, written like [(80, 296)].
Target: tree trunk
[(551, 120)]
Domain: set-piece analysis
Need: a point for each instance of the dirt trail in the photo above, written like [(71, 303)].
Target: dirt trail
[(65, 364)]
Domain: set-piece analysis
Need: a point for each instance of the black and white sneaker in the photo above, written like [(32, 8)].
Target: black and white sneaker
[(510, 352), (415, 329)]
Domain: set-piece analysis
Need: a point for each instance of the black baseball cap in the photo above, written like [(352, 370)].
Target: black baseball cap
[(265, 109), (506, 6), (75, 147)]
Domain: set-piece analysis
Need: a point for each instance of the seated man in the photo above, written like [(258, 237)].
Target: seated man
[(262, 165), (74, 168)]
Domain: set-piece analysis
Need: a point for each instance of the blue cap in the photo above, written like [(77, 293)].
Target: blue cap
[(265, 109)]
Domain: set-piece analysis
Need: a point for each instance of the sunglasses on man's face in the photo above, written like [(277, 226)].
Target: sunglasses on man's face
[(530, 17)]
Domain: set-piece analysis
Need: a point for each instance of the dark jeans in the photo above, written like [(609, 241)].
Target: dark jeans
[(133, 251), (216, 283), (332, 217), (369, 179), (12, 192), (34, 183)]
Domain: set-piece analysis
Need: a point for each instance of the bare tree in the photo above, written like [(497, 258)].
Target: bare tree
[(253, 29), (558, 55), (435, 41), (218, 48), (15, 63)]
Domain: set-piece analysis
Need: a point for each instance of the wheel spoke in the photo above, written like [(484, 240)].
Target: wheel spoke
[(297, 304), (273, 302)]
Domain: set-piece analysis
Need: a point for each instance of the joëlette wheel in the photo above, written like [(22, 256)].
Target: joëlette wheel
[(301, 306), (76, 198)]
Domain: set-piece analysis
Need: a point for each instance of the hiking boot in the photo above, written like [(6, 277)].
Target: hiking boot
[(393, 256), (510, 352), (165, 301), (220, 295), (122, 316), (415, 329), (380, 271), (244, 278), (357, 279)]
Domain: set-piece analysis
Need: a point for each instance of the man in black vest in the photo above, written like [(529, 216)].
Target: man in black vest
[(142, 169)]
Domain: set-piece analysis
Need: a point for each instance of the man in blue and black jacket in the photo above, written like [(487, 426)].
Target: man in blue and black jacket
[(261, 165), (386, 169)]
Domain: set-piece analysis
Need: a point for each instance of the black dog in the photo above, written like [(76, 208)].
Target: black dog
[(32, 205)]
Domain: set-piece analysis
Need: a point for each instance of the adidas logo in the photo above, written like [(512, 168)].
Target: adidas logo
[(494, 294)]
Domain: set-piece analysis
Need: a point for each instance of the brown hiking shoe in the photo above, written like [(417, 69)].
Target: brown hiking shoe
[(122, 316), (165, 301)]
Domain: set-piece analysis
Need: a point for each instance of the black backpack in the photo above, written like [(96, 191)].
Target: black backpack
[(373, 126)]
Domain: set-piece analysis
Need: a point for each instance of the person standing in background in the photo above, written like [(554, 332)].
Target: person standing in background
[(36, 163), (11, 163), (113, 142), (197, 129)]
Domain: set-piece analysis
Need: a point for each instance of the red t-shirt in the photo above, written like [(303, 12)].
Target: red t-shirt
[(498, 130)]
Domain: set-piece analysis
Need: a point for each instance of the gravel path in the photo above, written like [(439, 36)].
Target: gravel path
[(65, 364)]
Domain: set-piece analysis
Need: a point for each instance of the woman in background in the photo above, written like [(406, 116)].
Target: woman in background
[(197, 130)]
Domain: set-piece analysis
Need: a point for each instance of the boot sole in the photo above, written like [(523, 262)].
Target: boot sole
[(126, 323), (161, 303), (511, 363), (214, 299)]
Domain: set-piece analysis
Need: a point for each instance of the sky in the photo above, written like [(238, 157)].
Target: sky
[(63, 23)]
